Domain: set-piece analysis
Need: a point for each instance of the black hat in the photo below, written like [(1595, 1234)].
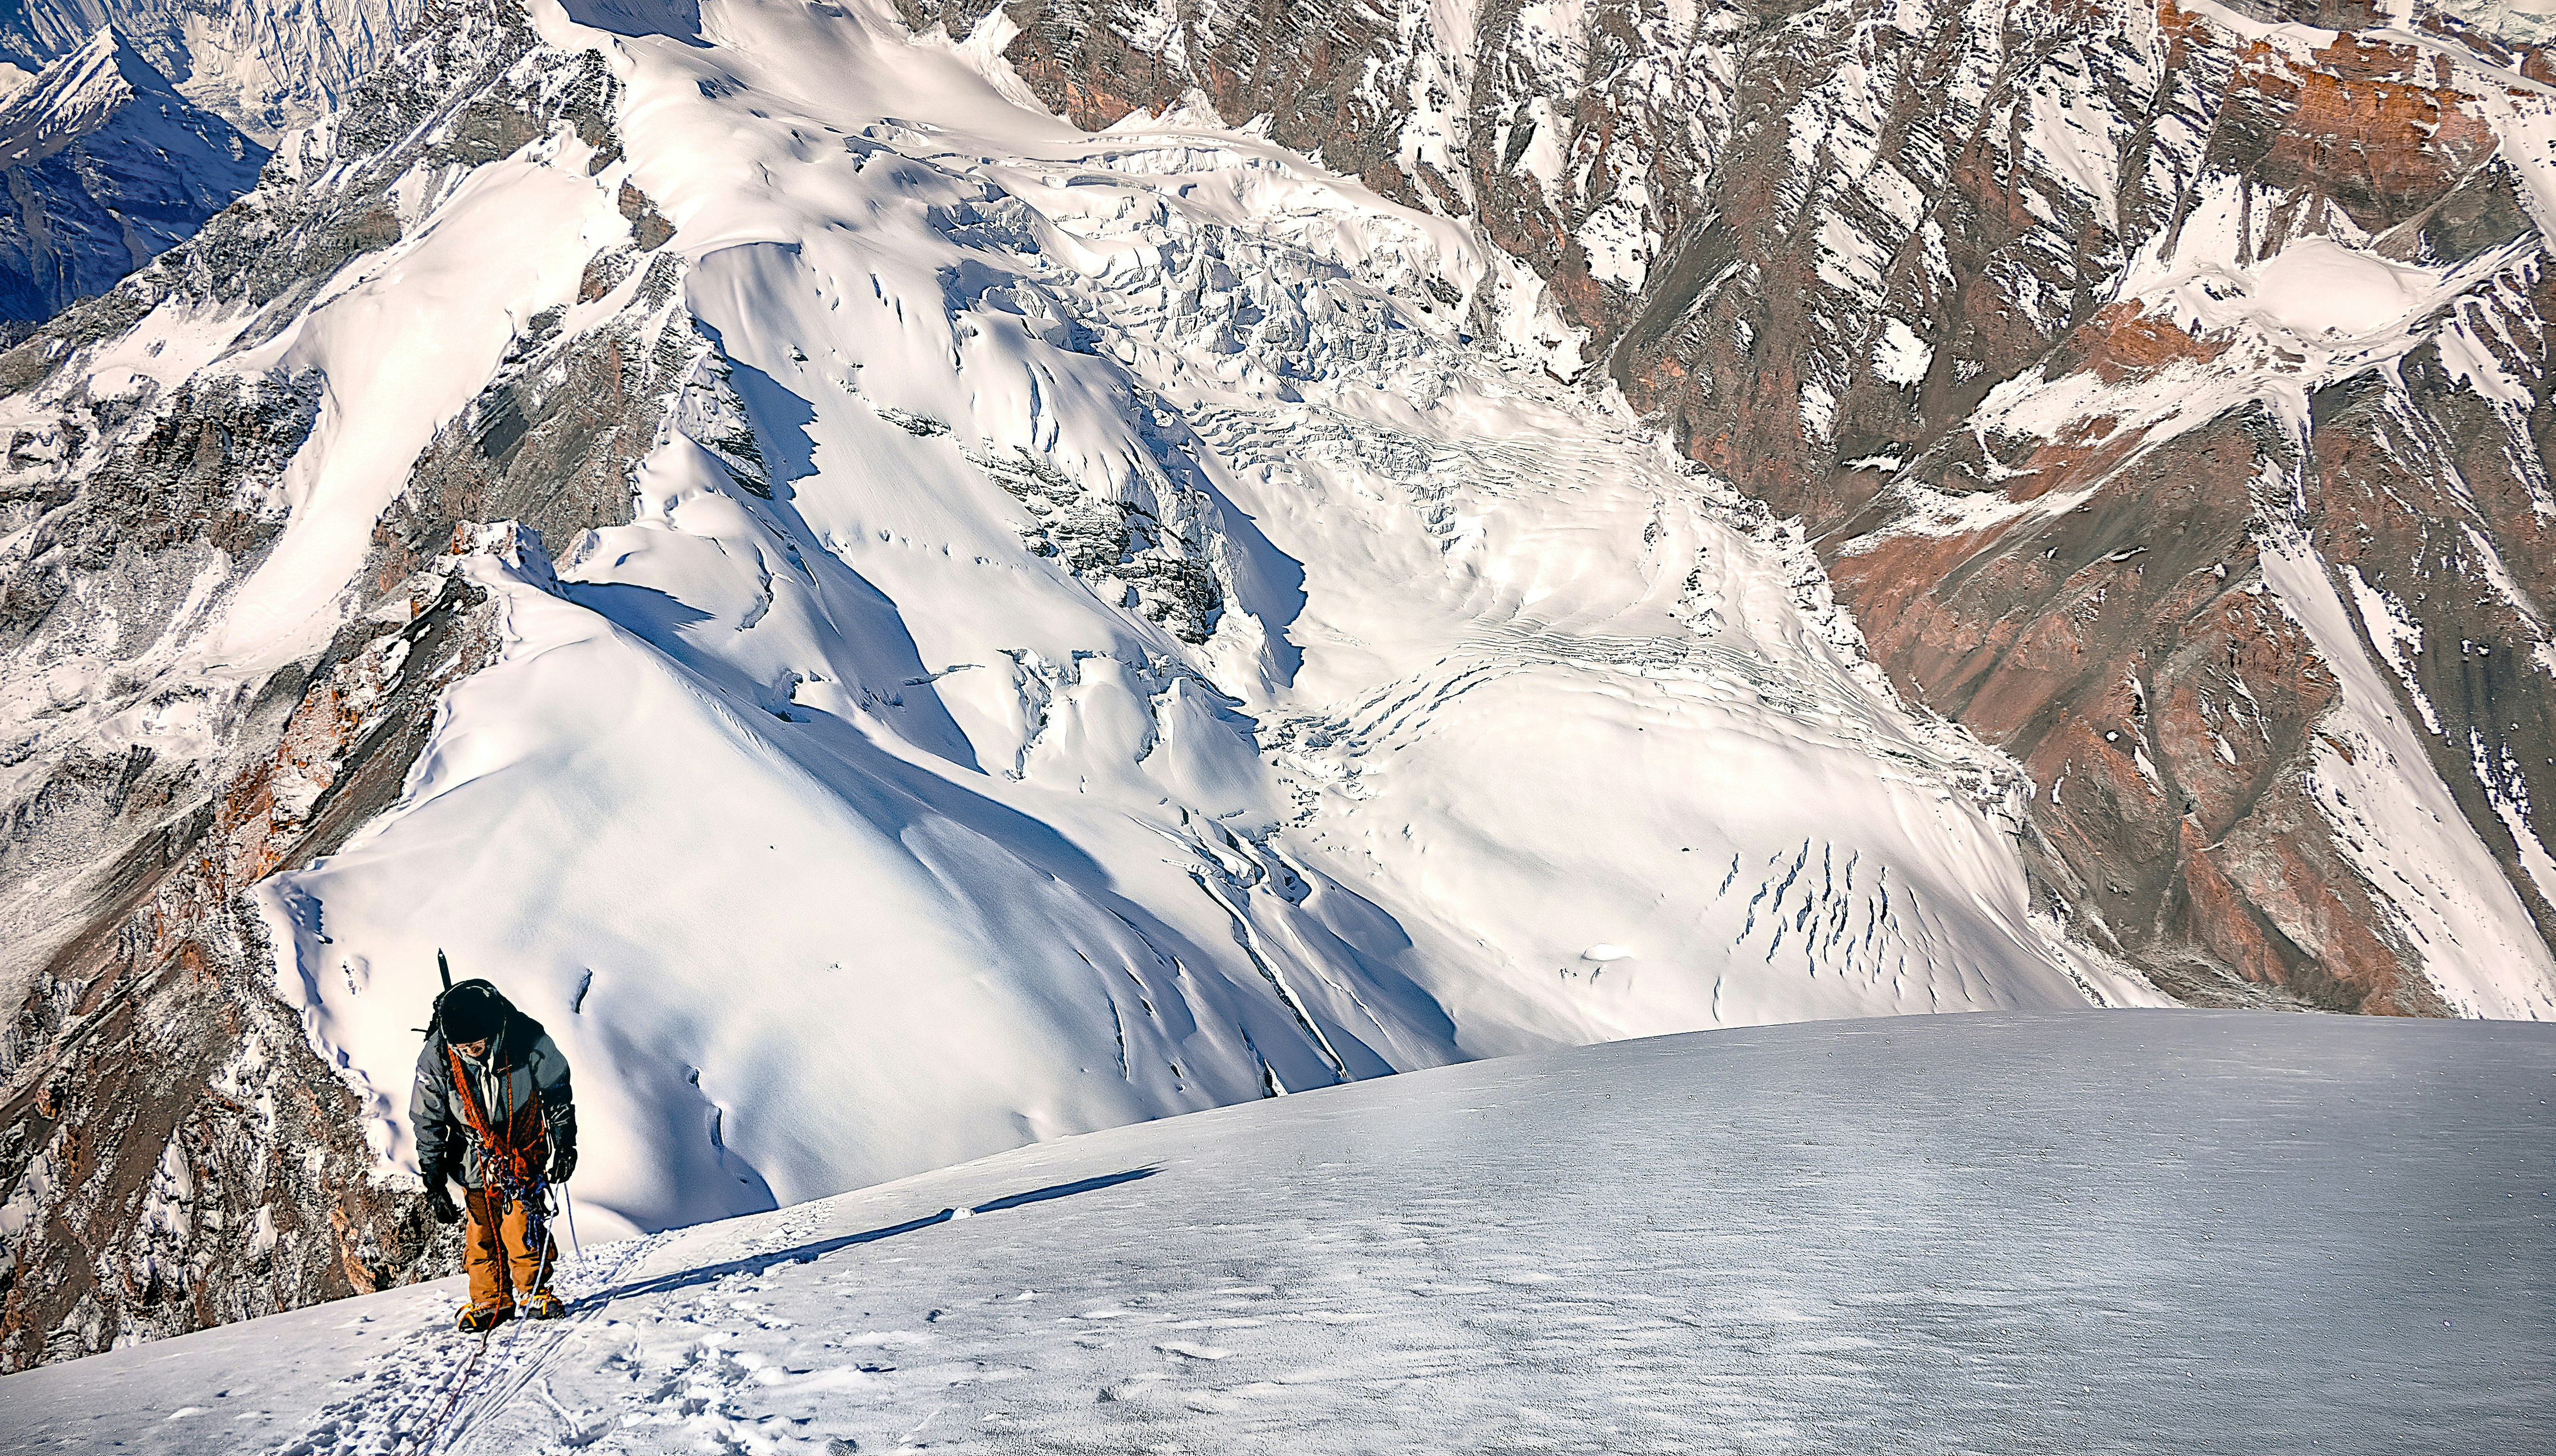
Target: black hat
[(471, 1011)]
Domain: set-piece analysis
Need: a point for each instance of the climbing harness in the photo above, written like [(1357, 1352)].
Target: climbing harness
[(509, 1165)]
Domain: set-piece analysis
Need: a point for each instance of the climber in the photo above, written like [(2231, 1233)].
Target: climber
[(491, 1111)]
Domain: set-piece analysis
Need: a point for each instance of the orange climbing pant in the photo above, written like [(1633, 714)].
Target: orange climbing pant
[(504, 1267)]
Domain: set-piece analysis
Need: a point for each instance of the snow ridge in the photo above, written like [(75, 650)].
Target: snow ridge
[(2093, 1233)]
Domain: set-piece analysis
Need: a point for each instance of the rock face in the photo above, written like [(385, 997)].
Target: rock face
[(2165, 389), (165, 1110), (160, 1109), (106, 166)]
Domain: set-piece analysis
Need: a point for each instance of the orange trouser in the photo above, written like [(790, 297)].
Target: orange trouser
[(503, 1264)]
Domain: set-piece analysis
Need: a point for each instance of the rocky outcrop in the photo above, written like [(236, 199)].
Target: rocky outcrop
[(164, 1113), (1993, 299)]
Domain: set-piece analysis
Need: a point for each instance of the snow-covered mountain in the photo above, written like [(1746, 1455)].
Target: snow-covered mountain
[(2096, 1233), (900, 623), (106, 166), (1046, 629), (265, 66)]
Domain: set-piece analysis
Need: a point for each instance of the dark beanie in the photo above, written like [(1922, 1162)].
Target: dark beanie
[(471, 1011)]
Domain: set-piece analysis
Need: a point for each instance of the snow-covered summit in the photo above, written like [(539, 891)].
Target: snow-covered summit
[(265, 66), (72, 97)]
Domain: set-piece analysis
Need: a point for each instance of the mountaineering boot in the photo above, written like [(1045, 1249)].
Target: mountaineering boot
[(478, 1319), (544, 1306)]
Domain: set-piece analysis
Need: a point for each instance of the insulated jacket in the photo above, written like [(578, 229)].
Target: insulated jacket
[(518, 1089)]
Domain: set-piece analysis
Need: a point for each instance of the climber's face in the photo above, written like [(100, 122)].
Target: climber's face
[(474, 1050)]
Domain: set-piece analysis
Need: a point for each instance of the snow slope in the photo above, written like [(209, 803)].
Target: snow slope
[(2103, 1232), (1105, 634)]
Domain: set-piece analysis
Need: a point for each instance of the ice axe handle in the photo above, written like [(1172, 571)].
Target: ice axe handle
[(443, 970)]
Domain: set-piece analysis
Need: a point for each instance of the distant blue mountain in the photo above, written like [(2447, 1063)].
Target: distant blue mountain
[(106, 166)]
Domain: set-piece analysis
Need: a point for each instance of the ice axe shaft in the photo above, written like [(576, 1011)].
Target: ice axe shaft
[(442, 969)]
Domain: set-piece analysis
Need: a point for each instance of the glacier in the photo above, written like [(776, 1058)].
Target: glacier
[(1108, 628)]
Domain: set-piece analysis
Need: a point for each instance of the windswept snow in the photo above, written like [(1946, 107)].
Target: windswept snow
[(403, 347), (2103, 1232)]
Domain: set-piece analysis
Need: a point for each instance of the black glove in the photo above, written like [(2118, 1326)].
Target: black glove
[(439, 1201), (562, 1151)]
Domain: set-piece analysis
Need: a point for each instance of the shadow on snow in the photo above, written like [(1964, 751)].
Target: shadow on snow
[(812, 1252)]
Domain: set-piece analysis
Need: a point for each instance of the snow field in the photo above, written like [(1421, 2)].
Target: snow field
[(2093, 1232)]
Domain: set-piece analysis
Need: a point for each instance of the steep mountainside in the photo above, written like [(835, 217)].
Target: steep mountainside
[(897, 628), (166, 1116), (106, 167), (265, 66), (2165, 387)]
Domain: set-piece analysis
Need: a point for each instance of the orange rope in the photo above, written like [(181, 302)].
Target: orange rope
[(517, 1160)]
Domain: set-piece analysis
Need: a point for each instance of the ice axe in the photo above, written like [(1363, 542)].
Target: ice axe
[(445, 970)]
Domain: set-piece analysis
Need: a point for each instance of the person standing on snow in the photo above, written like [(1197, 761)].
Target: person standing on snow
[(491, 1111)]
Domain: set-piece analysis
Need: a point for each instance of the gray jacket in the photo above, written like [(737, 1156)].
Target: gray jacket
[(519, 1086)]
